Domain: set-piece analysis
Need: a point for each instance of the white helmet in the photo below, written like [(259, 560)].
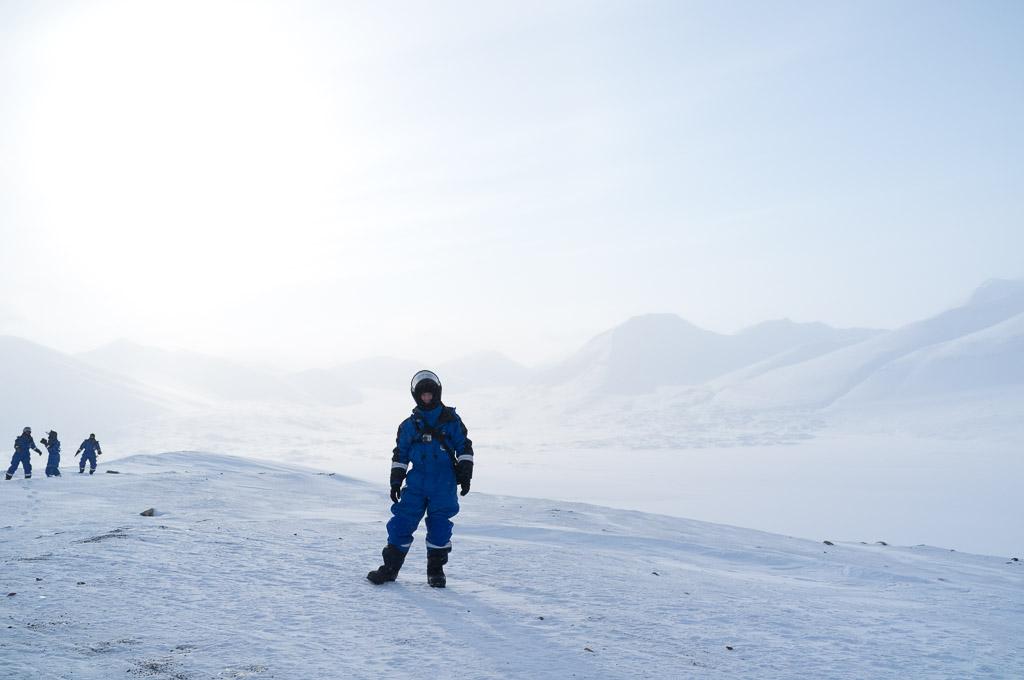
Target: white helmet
[(425, 381)]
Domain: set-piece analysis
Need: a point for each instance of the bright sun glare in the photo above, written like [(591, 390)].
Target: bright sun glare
[(193, 148)]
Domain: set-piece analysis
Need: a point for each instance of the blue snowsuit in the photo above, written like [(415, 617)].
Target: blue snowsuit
[(430, 485), (53, 459), (89, 448), (23, 447)]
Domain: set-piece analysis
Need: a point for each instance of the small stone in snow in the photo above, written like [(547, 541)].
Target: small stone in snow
[(148, 512), (113, 472), (881, 543), (829, 543), (11, 594), (728, 647), (81, 583), (589, 649), (1014, 559), (38, 579), (656, 573), (541, 618)]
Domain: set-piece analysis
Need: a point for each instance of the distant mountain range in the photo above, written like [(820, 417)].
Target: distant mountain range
[(42, 388), (978, 345), (190, 374), (660, 350)]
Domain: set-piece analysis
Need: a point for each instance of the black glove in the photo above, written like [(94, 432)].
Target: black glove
[(397, 477), (463, 475)]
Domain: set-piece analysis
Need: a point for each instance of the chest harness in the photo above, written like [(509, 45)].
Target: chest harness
[(427, 434)]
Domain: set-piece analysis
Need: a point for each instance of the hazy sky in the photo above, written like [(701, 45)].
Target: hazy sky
[(315, 181)]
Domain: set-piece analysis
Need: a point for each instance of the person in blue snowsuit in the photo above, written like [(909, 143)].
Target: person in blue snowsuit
[(53, 459), (23, 447), (89, 449), (434, 440)]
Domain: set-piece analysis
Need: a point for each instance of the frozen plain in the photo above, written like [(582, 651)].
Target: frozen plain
[(937, 475), (256, 570)]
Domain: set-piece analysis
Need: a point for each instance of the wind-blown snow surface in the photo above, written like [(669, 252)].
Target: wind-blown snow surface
[(253, 570)]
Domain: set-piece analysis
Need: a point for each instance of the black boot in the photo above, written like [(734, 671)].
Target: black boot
[(393, 559), (7, 477), (436, 559)]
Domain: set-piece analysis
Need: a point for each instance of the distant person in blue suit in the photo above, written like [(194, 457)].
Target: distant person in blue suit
[(434, 440), (53, 459), (89, 449), (23, 446)]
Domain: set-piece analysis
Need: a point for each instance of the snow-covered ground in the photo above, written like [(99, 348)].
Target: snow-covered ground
[(252, 569)]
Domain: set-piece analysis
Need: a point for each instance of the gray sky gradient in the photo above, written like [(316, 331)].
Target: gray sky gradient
[(310, 182)]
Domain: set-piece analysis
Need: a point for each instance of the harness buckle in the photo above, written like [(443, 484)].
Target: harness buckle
[(427, 437)]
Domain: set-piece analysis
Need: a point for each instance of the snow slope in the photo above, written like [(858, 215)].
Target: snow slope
[(821, 381), (655, 350), (191, 374), (990, 358), (254, 570), (43, 389)]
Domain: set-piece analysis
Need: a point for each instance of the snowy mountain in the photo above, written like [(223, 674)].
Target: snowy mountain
[(796, 355), (325, 386), (656, 350), (941, 353), (256, 570), (191, 374), (483, 370), (992, 358), (345, 384), (45, 389), (342, 385)]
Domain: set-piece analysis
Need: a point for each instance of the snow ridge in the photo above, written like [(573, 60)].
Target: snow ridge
[(256, 570)]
